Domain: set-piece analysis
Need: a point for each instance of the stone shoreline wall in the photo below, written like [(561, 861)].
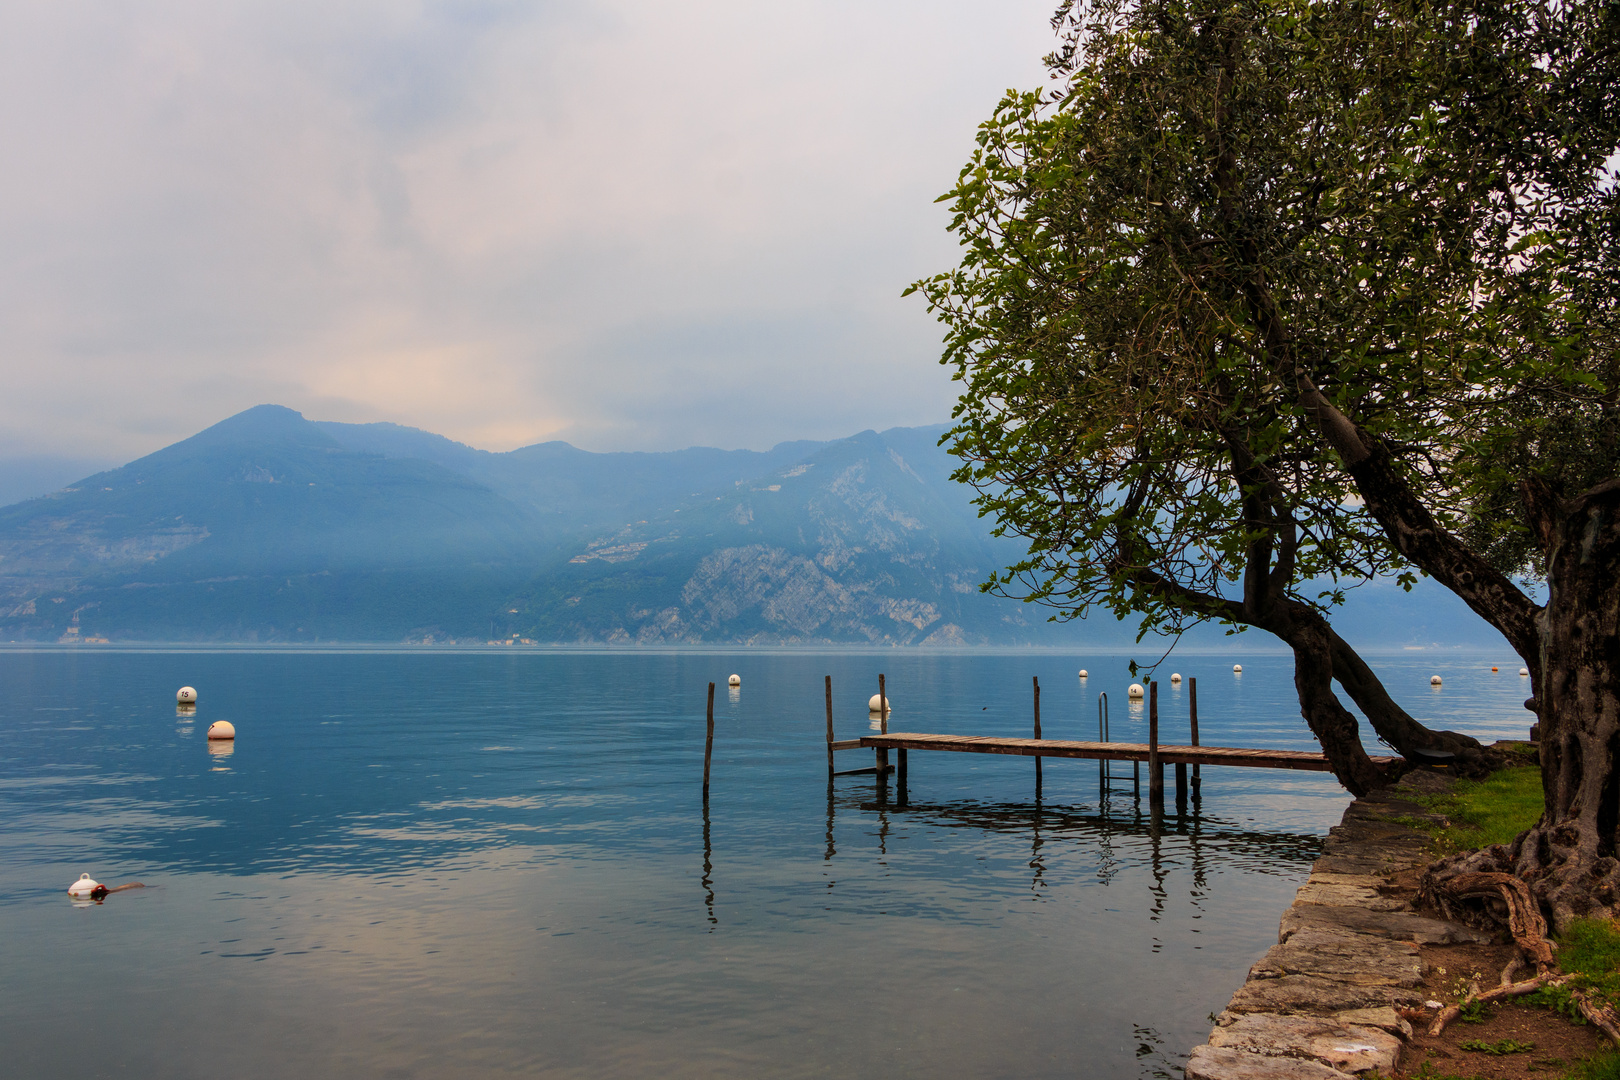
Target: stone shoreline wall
[(1322, 1003)]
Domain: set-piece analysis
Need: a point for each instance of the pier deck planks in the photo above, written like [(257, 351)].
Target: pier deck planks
[(1304, 760)]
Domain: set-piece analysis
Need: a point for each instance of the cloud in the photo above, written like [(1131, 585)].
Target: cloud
[(630, 224)]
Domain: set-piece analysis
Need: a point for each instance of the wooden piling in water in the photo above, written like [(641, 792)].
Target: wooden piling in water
[(829, 729), (1155, 766), (1037, 681), (1192, 693), (708, 744), (882, 762), (1181, 784)]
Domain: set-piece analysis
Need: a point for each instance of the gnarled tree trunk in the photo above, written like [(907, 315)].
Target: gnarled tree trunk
[(1393, 724), (1312, 641), (1570, 857), (1334, 726)]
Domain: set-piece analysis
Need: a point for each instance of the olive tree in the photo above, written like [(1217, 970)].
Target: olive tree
[(1268, 290), (1120, 408)]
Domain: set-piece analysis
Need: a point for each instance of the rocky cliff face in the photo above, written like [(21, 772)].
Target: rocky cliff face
[(851, 544)]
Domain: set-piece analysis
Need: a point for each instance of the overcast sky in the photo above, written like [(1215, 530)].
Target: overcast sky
[(631, 225)]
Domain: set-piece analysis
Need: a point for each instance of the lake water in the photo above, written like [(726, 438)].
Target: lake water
[(484, 863)]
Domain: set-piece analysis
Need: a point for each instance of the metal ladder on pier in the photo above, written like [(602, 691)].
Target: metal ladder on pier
[(1105, 769)]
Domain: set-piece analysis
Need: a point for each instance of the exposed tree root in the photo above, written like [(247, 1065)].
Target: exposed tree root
[(1505, 899), (1566, 874), (1465, 891), (1601, 1016), (1508, 990), (1494, 897)]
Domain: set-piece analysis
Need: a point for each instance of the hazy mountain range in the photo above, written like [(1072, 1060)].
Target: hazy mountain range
[(268, 527)]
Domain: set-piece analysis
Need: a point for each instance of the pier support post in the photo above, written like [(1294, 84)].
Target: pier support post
[(1037, 681), (708, 745), (883, 729), (1181, 786), (829, 731), (1192, 693), (1155, 767)]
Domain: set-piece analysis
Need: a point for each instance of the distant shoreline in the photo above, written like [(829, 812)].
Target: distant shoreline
[(1076, 650)]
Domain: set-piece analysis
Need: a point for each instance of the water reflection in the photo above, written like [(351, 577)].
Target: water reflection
[(436, 843), (1037, 867), (1119, 836), (220, 750), (708, 866)]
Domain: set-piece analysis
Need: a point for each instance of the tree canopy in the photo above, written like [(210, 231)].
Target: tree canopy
[(1273, 290)]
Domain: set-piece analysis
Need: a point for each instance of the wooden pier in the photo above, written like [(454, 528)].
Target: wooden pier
[(1302, 760), (1156, 754)]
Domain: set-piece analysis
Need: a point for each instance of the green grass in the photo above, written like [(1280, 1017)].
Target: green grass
[(1590, 947), (1427, 1071), (1605, 1066), (1499, 1048), (1590, 951), (1484, 812)]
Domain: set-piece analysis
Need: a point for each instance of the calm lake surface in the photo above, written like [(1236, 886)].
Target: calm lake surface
[(448, 864)]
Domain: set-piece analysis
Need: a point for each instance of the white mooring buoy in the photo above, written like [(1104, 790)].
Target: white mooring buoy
[(83, 887), (221, 729), (1524, 671), (1084, 673), (1136, 690), (1434, 680), (1175, 676), (1237, 669), (877, 703), (186, 696), (735, 680)]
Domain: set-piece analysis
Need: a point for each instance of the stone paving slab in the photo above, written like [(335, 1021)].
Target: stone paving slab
[(1378, 865), (1317, 994), (1348, 896), (1346, 957), (1402, 925), (1346, 943), (1365, 840), (1227, 1063), (1384, 1017), (1347, 1047), (1363, 968), (1378, 1016), (1375, 881)]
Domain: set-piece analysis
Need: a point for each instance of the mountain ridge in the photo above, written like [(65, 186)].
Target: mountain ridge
[(268, 527)]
